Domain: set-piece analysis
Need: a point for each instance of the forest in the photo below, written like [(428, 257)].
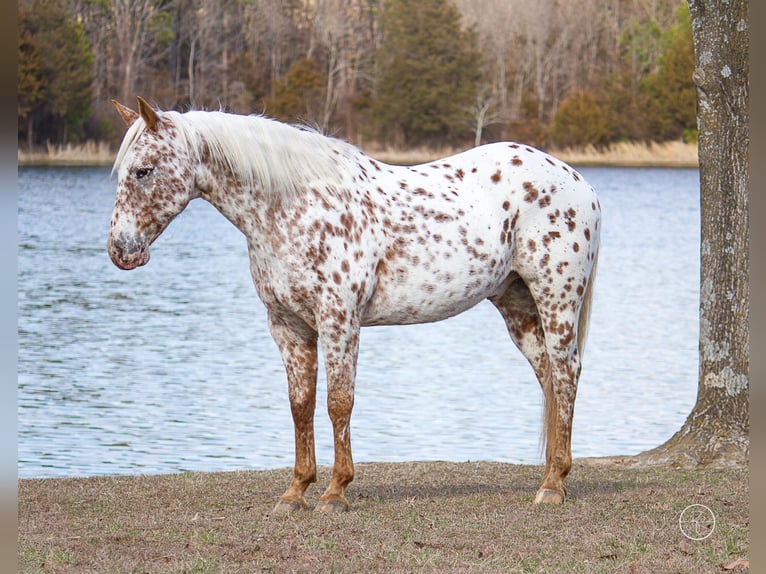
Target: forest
[(401, 73)]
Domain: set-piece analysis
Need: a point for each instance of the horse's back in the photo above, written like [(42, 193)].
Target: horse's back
[(456, 228)]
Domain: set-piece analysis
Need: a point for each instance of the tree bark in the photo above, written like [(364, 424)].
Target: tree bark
[(716, 433)]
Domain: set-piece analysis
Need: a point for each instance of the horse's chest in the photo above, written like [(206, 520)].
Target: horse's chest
[(314, 257)]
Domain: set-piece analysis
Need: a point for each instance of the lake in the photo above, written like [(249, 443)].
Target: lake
[(171, 367)]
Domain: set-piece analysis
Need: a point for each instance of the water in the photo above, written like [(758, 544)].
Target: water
[(170, 367)]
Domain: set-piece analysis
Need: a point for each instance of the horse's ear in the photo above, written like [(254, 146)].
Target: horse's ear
[(147, 112), (127, 115)]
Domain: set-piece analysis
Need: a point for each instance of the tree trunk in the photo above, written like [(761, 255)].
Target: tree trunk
[(192, 50), (716, 433), (30, 128)]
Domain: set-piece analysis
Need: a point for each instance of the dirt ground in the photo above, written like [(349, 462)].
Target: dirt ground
[(408, 517)]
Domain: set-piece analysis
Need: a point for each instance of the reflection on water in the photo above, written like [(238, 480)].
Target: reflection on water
[(170, 367)]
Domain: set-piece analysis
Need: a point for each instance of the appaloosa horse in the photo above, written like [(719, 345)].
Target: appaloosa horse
[(338, 240)]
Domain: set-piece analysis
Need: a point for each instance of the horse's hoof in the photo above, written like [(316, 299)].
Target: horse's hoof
[(548, 496), (289, 506), (332, 505)]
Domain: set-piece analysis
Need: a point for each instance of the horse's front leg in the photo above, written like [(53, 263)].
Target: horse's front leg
[(340, 345), (298, 346)]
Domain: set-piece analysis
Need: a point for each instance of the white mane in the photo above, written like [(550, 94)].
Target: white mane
[(276, 157)]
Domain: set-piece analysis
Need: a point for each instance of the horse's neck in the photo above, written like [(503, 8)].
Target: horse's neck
[(243, 205)]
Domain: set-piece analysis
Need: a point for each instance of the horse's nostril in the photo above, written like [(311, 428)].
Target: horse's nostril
[(134, 246), (128, 252)]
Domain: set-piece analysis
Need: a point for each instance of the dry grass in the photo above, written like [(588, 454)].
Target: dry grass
[(89, 153), (623, 154), (413, 517), (667, 154), (410, 156), (632, 154)]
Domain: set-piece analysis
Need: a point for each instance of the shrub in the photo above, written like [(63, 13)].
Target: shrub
[(580, 120)]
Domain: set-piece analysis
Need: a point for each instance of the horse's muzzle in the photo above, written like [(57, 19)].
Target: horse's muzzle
[(128, 252)]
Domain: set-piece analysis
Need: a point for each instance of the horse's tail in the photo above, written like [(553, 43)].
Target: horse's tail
[(550, 404), (584, 319)]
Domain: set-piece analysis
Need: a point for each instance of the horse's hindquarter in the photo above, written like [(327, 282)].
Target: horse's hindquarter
[(454, 229)]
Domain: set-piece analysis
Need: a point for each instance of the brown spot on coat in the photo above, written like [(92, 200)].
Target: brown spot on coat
[(531, 192), (496, 176)]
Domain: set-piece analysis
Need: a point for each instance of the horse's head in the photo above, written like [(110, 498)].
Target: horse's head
[(155, 182)]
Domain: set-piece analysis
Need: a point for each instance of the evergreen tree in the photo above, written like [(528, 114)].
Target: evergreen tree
[(622, 95), (57, 72), (299, 94), (650, 96), (429, 73), (671, 95), (580, 121), (30, 84)]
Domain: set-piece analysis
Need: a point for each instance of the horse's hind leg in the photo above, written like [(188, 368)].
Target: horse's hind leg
[(545, 331), (519, 310), (564, 307)]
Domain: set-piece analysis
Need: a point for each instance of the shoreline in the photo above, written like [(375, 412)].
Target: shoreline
[(623, 154)]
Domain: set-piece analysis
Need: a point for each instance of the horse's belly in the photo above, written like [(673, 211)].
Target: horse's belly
[(416, 295), (412, 311)]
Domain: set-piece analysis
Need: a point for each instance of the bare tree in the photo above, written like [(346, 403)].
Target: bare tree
[(341, 41), (130, 21), (485, 111), (331, 31), (495, 38)]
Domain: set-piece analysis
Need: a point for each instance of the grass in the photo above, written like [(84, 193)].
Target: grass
[(410, 517), (88, 153), (667, 154), (622, 154), (634, 154)]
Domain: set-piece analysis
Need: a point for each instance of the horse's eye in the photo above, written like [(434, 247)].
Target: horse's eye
[(143, 172)]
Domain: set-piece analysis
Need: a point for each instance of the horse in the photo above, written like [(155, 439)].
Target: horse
[(338, 240)]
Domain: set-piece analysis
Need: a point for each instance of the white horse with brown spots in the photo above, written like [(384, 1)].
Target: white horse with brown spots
[(338, 241)]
